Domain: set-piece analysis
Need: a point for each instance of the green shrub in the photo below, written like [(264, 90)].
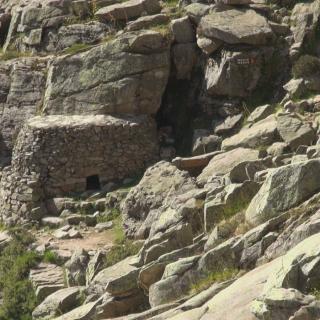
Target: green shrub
[(113, 215), (16, 260), (306, 66), (217, 276), (51, 257)]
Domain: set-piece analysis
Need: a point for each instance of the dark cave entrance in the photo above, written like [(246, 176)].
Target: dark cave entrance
[(93, 182)]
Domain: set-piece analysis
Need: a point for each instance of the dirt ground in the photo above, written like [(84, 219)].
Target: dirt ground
[(92, 240)]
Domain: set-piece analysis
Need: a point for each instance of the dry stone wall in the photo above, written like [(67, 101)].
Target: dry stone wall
[(58, 155)]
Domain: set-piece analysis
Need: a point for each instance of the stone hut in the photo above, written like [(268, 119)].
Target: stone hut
[(57, 156)]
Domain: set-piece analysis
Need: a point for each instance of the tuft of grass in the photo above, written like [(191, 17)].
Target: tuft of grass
[(217, 276), (315, 292), (13, 54), (171, 3), (123, 247), (51, 257), (113, 215), (77, 48)]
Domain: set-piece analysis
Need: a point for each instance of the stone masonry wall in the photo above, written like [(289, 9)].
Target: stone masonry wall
[(54, 155)]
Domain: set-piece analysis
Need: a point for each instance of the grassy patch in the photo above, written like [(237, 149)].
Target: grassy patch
[(16, 260), (51, 257), (77, 48), (123, 247), (221, 275), (13, 54), (113, 215), (171, 3)]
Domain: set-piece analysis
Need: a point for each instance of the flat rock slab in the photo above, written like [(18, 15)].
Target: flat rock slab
[(223, 163), (59, 302), (46, 279), (236, 26), (294, 131), (128, 10), (284, 188), (262, 133)]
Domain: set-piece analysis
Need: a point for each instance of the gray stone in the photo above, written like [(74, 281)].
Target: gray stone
[(260, 113), (160, 185), (204, 142), (223, 163), (283, 189), (76, 268), (46, 279), (294, 131), (236, 26), (182, 30), (128, 10), (59, 302), (262, 133), (233, 74), (122, 68), (229, 125)]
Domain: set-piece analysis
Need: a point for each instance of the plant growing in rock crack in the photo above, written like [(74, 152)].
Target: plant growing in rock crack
[(219, 275), (123, 247)]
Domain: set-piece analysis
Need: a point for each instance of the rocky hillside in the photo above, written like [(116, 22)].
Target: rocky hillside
[(160, 160)]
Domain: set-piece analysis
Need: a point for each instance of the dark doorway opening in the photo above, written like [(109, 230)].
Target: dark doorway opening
[(93, 182)]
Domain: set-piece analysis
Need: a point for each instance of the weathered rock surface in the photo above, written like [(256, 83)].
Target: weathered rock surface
[(47, 279), (59, 302), (236, 26), (128, 10), (160, 184), (262, 133), (294, 131), (283, 189), (129, 76), (234, 74), (225, 162)]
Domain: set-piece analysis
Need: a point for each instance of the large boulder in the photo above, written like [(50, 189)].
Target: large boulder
[(126, 75), (128, 10), (294, 131), (59, 302), (160, 184), (233, 74), (118, 280), (236, 26), (283, 189), (261, 134), (223, 163)]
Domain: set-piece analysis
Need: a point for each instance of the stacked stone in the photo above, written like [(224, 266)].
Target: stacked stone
[(54, 155)]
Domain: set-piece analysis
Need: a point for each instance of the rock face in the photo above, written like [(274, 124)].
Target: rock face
[(294, 131), (236, 26), (225, 162), (54, 136), (127, 75), (161, 183), (262, 133), (233, 74), (22, 85), (283, 189), (61, 301)]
